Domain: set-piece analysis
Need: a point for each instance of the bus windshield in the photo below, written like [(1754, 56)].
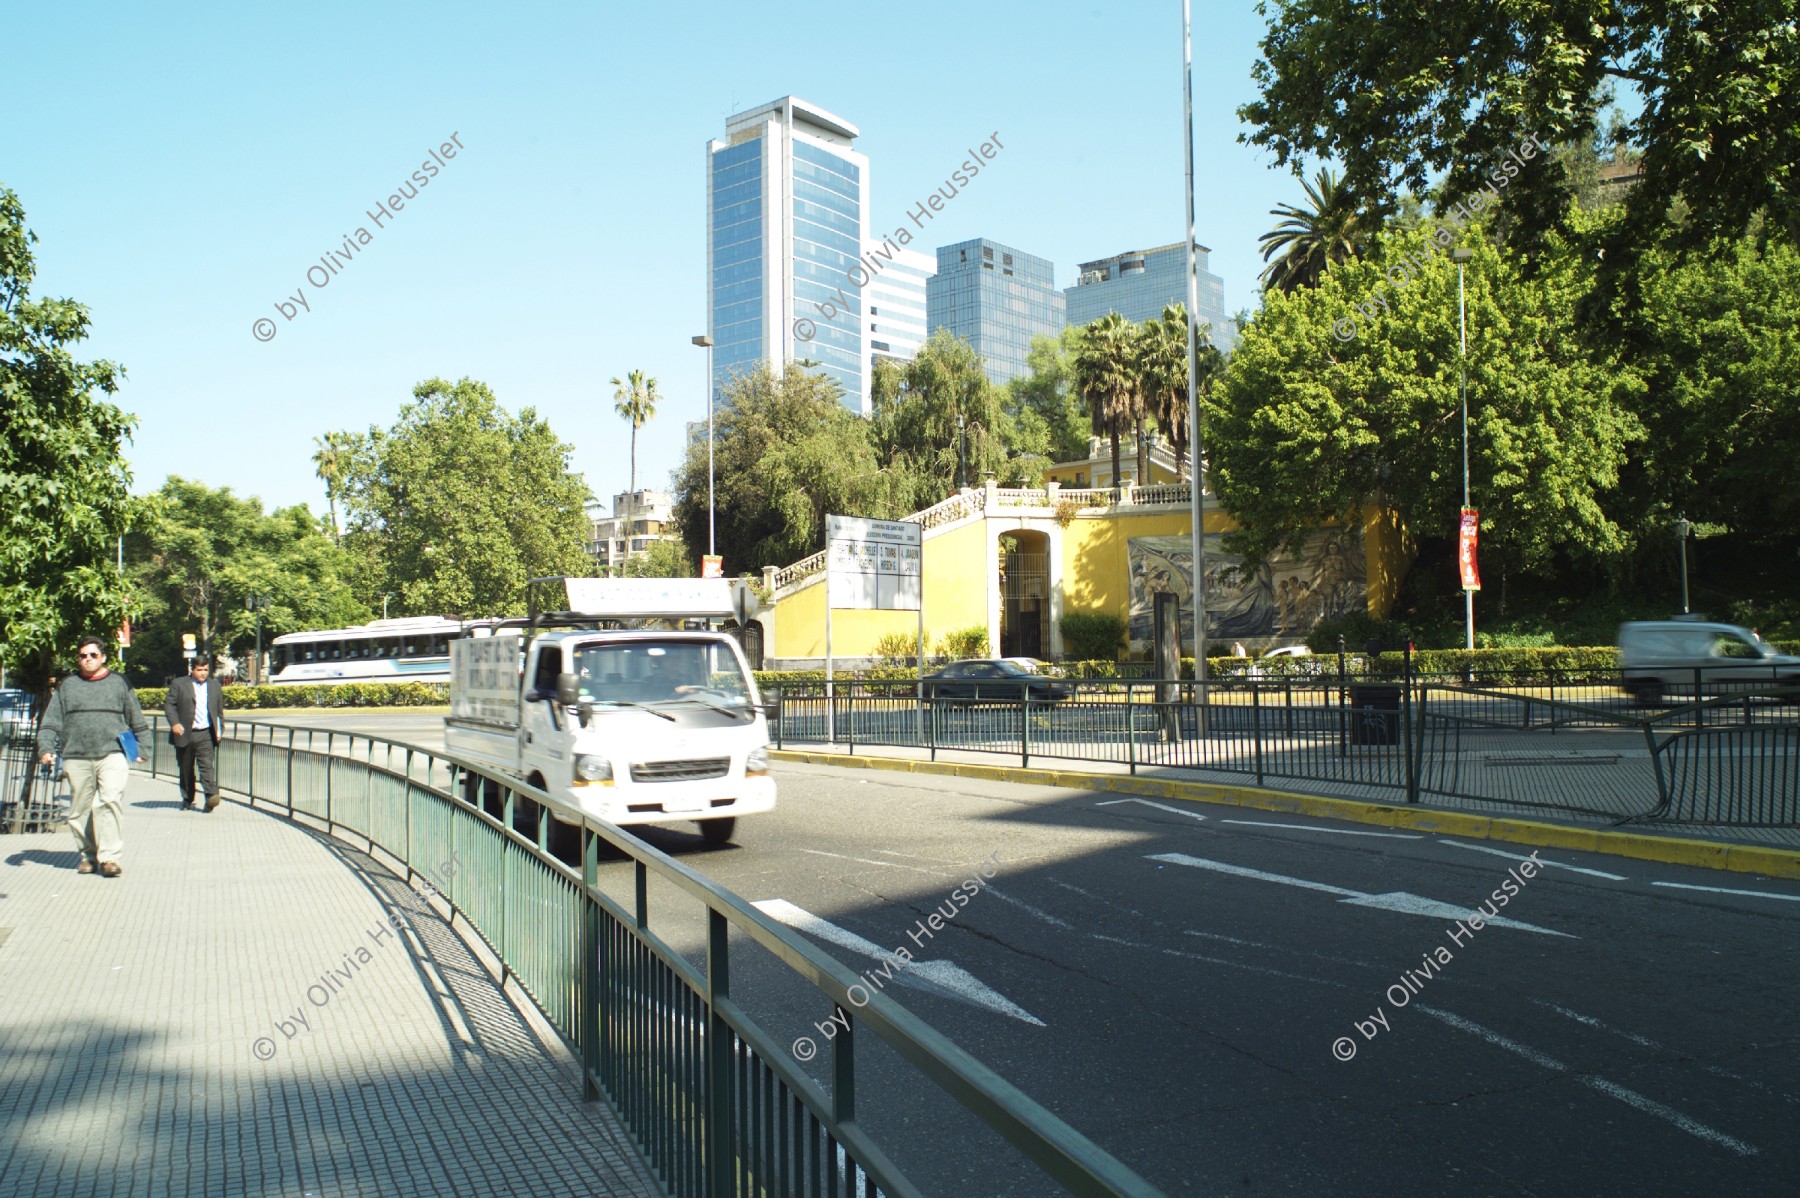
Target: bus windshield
[(662, 672)]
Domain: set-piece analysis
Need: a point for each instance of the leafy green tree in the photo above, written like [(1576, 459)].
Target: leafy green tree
[(1049, 416), (1718, 336), (935, 414), (1106, 377), (787, 453), (635, 401), (1397, 99), (1333, 229), (64, 486), (1307, 424), (661, 559), (198, 556), (460, 502)]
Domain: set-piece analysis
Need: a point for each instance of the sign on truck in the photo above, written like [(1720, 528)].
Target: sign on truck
[(631, 725)]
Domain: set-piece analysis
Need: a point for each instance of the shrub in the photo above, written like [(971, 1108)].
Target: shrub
[(965, 642), (1357, 629), (897, 647), (1092, 635), (341, 694)]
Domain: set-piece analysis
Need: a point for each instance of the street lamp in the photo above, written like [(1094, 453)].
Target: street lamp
[(258, 604), (1683, 530), (1461, 256), (706, 342)]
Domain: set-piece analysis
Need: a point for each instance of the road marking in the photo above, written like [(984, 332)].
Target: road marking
[(870, 861), (1612, 1090), (1397, 900), (1158, 806), (1510, 856), (958, 981), (1043, 915), (1299, 952), (1257, 823), (1788, 898), (1175, 952), (1592, 1022)]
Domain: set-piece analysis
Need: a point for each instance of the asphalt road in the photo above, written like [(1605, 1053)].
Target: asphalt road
[(1180, 982)]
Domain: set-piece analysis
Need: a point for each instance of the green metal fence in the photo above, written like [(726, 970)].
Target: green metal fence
[(1545, 744), (717, 1105)]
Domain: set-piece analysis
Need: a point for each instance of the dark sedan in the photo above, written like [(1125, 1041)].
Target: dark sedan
[(993, 681)]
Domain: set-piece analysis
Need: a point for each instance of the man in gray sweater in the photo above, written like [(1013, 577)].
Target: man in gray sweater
[(86, 717)]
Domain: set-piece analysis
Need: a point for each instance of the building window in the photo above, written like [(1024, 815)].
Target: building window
[(1006, 259), (987, 253)]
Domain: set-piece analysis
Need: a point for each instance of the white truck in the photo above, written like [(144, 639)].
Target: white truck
[(627, 724)]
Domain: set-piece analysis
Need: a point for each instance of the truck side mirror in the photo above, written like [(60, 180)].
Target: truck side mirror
[(568, 690)]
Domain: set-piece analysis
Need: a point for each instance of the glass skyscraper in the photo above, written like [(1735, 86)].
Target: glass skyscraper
[(997, 299), (1138, 285), (787, 205)]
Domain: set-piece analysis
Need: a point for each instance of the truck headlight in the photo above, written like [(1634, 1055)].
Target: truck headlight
[(758, 761), (593, 771)]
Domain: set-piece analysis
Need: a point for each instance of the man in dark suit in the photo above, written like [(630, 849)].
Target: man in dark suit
[(195, 709)]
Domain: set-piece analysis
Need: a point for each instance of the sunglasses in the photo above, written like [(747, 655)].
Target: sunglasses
[(95, 656)]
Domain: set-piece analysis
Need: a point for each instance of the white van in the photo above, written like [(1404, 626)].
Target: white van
[(1662, 655)]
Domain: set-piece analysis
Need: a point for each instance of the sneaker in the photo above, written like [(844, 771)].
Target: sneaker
[(212, 802), (85, 866), (110, 869)]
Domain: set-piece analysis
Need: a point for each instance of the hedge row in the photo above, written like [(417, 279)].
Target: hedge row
[(342, 694)]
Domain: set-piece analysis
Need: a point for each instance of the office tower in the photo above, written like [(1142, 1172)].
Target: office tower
[(897, 305), (1139, 285), (997, 299), (787, 205)]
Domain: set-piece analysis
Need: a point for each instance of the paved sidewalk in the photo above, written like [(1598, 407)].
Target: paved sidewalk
[(142, 1046)]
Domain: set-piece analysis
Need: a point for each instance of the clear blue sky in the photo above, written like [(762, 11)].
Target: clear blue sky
[(184, 165)]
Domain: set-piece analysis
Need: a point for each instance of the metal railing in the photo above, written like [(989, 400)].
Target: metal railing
[(718, 1106), (1577, 746)]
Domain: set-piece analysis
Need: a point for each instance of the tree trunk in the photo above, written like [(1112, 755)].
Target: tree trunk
[(1113, 430), (633, 461), (1143, 455)]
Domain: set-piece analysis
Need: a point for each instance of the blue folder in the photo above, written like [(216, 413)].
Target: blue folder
[(128, 742)]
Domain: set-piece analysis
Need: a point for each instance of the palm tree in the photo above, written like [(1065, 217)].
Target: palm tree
[(329, 461), (1106, 377), (1163, 373), (1334, 230), (635, 401)]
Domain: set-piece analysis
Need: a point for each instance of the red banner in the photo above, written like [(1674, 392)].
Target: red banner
[(1465, 549)]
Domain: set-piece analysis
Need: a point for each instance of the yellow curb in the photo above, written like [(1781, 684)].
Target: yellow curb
[(1704, 854)]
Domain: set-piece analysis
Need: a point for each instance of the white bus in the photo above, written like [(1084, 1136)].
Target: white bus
[(408, 650)]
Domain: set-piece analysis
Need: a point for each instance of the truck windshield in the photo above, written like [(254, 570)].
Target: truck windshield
[(662, 672)]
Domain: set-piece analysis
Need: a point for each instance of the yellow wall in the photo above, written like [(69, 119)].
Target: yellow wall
[(1095, 577), (955, 598), (1388, 553)]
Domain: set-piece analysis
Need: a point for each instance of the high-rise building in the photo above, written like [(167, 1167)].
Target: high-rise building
[(997, 299), (1140, 284), (897, 303), (787, 218)]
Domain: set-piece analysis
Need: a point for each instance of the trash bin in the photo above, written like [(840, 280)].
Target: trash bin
[(1374, 714)]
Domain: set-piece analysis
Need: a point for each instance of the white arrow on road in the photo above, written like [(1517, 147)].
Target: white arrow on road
[(1148, 803), (953, 978), (1397, 900)]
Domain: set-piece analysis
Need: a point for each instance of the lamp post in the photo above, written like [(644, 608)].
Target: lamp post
[(1197, 471), (258, 604), (1462, 255), (1683, 530), (962, 454), (704, 341)]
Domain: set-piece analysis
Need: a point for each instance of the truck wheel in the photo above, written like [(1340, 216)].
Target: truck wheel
[(718, 831)]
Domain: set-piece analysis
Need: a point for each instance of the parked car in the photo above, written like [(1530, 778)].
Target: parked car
[(15, 714), (993, 680), (1660, 655)]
